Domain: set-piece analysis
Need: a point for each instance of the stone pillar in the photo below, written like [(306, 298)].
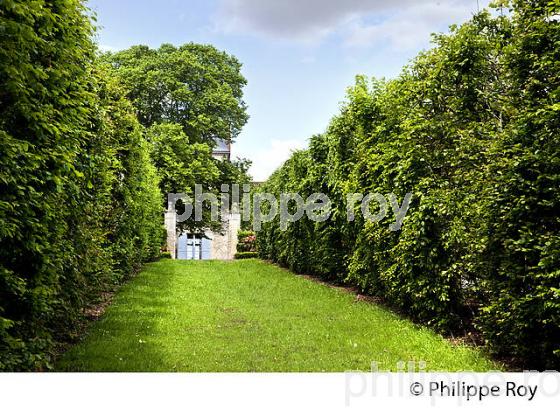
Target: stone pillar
[(233, 229), (171, 229)]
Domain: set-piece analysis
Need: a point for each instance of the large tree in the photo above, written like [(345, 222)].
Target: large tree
[(194, 85), (186, 97)]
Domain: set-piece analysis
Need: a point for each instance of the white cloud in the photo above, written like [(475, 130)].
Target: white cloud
[(306, 20), (404, 23), (267, 159), (409, 28), (106, 48)]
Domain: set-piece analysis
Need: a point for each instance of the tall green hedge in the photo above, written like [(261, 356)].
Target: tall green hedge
[(521, 313), (470, 128), (80, 207)]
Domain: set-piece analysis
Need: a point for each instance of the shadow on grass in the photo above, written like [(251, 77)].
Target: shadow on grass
[(126, 337), (252, 316)]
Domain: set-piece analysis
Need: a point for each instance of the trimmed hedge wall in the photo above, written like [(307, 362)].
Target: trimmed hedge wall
[(246, 255), (80, 208), (470, 128)]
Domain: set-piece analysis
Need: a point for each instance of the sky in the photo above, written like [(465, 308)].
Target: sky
[(298, 56)]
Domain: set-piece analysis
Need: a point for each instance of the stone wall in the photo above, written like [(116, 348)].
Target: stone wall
[(223, 245), (171, 229)]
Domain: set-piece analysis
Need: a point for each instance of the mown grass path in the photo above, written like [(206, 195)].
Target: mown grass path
[(248, 315)]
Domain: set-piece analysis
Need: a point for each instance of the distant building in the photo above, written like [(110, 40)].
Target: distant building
[(203, 246), (207, 245), (222, 150)]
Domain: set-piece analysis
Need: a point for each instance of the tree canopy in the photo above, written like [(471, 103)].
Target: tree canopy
[(193, 85)]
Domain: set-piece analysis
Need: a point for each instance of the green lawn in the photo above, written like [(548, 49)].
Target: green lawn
[(214, 316)]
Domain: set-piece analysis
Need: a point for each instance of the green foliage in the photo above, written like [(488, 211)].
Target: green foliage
[(165, 255), (186, 97), (246, 255), (80, 207), (135, 217), (234, 172), (246, 242), (241, 235), (81, 180), (45, 91), (180, 163), (470, 129), (522, 286), (193, 85)]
